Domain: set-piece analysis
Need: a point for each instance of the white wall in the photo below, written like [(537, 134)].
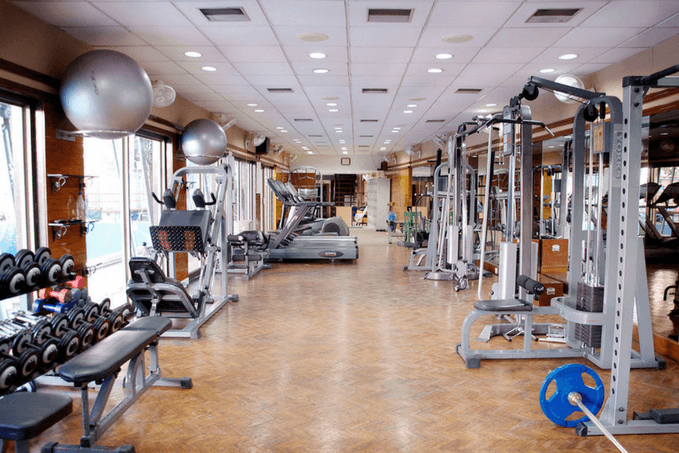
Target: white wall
[(330, 165)]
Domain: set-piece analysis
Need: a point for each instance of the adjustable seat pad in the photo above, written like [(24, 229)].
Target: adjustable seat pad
[(159, 324), (156, 274), (503, 305), (25, 415), (106, 357)]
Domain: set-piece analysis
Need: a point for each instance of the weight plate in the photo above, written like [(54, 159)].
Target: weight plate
[(6, 261), (28, 363), (49, 352), (101, 328), (76, 316), (42, 255), (32, 272), (105, 305), (60, 326), (23, 257), (568, 379), (67, 265), (21, 342), (5, 345), (91, 312), (16, 280), (8, 374)]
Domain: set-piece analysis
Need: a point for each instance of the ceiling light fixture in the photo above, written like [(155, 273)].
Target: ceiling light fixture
[(435, 70), (317, 55), (321, 71), (444, 56), (384, 148), (345, 152), (312, 37), (456, 39), (252, 105), (568, 56), (209, 68), (192, 54), (343, 148), (410, 106), (491, 105), (547, 70), (259, 111), (309, 152), (394, 132), (279, 127), (331, 104), (283, 130), (333, 110), (407, 111), (396, 128)]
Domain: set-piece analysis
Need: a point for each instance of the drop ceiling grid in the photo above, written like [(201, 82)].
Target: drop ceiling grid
[(254, 55)]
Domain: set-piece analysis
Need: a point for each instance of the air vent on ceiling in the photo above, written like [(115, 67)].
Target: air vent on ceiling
[(364, 146), (375, 90), (389, 15), (315, 136), (236, 14), (303, 119), (280, 90), (369, 121), (435, 121), (469, 90), (553, 15)]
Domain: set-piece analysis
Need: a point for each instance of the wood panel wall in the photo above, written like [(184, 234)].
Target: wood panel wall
[(401, 191)]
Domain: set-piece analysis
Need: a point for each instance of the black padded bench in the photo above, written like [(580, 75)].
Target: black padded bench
[(101, 364), (24, 416), (248, 252)]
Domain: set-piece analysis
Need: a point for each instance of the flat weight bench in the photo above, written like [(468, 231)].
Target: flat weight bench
[(101, 364), (24, 416), (248, 252)]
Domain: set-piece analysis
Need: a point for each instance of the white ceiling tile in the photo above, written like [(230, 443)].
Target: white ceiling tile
[(589, 68), (140, 53), (527, 37), (268, 54), (171, 36), (594, 37), (378, 69), (137, 14), (507, 55), (358, 14), (616, 55), (378, 55), (195, 68), (420, 70), (221, 79), (460, 54), (359, 82), (176, 53), (533, 69), (432, 37), (528, 9), (328, 80), (214, 106), (430, 80), (67, 14), (271, 80), (300, 54), (473, 13), (262, 69), (486, 75), (386, 37), (305, 12), (178, 79), (191, 10), (240, 35), (288, 35), (307, 68), (198, 96), (162, 67), (194, 88), (318, 93), (670, 22), (651, 37), (105, 36), (584, 54), (296, 96), (410, 92), (237, 93), (640, 13)]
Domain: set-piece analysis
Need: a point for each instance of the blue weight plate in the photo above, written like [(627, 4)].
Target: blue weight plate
[(568, 379)]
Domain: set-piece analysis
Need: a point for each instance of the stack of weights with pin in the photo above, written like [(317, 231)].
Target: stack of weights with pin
[(590, 292)]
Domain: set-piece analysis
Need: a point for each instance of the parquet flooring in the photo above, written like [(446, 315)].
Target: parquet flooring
[(349, 357)]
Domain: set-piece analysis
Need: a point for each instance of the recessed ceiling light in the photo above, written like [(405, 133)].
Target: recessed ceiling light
[(456, 39), (491, 105), (279, 127), (331, 104), (330, 98), (345, 152), (482, 111), (435, 70), (568, 56), (547, 70), (258, 110), (384, 148), (333, 110), (252, 105), (343, 148), (283, 130), (309, 152), (417, 99), (305, 147), (209, 68), (339, 131), (396, 127), (312, 37), (394, 132), (321, 71), (317, 55), (386, 142), (407, 111), (338, 127), (552, 146), (444, 56), (192, 54), (411, 106)]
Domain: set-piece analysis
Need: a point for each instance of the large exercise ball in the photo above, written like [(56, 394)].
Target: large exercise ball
[(106, 94), (203, 141)]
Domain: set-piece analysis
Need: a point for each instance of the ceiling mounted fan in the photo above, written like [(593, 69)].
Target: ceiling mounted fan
[(163, 94)]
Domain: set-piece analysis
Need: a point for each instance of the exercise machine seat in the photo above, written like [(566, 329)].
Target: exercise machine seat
[(26, 415), (503, 305), (157, 323), (171, 294)]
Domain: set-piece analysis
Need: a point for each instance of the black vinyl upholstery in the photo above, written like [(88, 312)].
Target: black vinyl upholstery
[(25, 415)]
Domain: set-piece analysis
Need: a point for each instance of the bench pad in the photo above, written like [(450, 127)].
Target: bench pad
[(106, 357), (158, 324), (25, 415), (503, 305)]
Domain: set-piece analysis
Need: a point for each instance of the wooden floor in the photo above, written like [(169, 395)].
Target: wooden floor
[(321, 357)]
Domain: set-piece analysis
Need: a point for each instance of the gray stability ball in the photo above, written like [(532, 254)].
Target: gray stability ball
[(203, 141), (106, 94)]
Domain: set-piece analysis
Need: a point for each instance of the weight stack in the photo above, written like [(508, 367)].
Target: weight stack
[(590, 299)]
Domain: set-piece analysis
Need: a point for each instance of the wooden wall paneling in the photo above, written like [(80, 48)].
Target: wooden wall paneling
[(401, 191)]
